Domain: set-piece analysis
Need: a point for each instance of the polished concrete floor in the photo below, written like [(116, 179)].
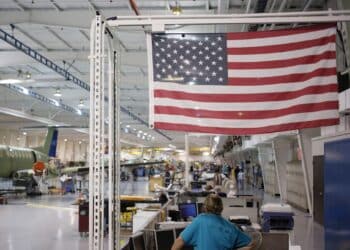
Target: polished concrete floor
[(51, 222)]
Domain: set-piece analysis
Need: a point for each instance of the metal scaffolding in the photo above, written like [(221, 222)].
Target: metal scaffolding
[(97, 116)]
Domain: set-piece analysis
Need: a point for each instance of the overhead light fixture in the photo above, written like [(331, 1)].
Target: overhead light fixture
[(176, 9), (24, 133), (81, 103), (10, 81), (58, 93), (79, 112), (79, 142), (65, 140), (24, 90), (28, 75), (56, 103), (22, 77)]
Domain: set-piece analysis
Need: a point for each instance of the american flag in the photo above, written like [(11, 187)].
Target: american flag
[(244, 83)]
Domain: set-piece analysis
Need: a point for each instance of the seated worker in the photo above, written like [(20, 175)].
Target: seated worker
[(210, 231)]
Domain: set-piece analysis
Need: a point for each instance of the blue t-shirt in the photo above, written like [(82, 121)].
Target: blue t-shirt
[(212, 232)]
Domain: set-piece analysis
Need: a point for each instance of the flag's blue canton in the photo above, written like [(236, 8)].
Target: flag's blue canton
[(190, 58)]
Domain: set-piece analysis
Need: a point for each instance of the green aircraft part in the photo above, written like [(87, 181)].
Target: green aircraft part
[(13, 159)]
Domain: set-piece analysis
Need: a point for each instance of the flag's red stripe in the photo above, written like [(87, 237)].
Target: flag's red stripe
[(282, 63), (260, 97), (246, 115), (292, 78), (281, 47), (246, 131), (275, 33)]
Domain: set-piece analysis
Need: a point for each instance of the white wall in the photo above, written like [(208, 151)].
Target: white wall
[(283, 153), (182, 157)]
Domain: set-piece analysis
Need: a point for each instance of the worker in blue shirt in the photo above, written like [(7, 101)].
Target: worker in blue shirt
[(210, 231)]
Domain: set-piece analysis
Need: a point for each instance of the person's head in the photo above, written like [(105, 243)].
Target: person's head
[(213, 204)]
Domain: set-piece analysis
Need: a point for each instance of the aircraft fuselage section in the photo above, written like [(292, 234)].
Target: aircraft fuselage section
[(13, 159)]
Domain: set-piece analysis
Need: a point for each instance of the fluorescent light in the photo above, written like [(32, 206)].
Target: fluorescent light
[(177, 10), (10, 81), (216, 139), (24, 90), (28, 75), (205, 153), (128, 126), (56, 103), (81, 103), (58, 93)]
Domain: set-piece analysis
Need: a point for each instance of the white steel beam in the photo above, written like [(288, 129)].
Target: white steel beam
[(260, 18), (246, 11), (15, 58), (77, 18), (96, 136), (272, 7), (305, 173), (187, 161), (282, 6), (305, 7)]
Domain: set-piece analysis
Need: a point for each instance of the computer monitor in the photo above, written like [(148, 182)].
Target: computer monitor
[(164, 239), (188, 210), (138, 242)]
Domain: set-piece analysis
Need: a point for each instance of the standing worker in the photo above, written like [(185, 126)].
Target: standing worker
[(240, 179), (210, 231)]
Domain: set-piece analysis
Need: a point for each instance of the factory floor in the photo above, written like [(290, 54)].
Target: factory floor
[(51, 222)]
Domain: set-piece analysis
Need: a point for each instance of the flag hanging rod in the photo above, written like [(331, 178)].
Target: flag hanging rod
[(260, 18)]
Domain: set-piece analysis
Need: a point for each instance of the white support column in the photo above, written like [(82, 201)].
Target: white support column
[(277, 172), (305, 173), (97, 142), (114, 149), (187, 162), (91, 131), (283, 154)]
